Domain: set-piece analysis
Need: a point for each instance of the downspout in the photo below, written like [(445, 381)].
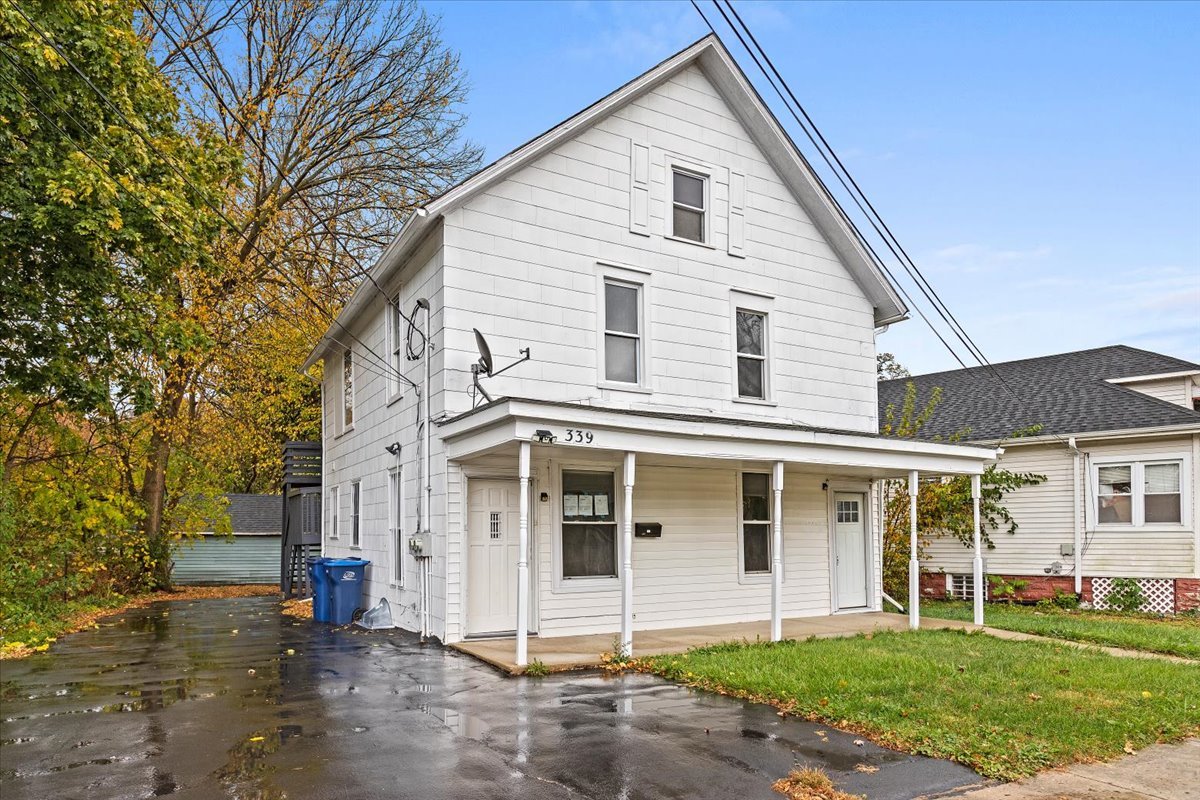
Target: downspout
[(427, 571), (1077, 510)]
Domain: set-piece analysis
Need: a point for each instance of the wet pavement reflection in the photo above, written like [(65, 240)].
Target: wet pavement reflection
[(227, 698)]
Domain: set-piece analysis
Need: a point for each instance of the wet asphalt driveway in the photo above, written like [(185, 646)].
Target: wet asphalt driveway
[(160, 701)]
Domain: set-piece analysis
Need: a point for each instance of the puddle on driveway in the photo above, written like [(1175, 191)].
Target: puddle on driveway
[(169, 701)]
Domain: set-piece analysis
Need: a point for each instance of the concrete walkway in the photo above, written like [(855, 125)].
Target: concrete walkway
[(1120, 652), (1161, 772), (561, 653)]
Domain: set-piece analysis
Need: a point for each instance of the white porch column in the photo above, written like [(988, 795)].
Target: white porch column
[(978, 562), (777, 555), (523, 558), (627, 559), (914, 566)]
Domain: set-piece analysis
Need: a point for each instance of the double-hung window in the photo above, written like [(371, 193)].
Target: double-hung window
[(756, 523), (689, 195), (396, 522), (1137, 493), (589, 525), (750, 331), (335, 512), (623, 346), (347, 389), (355, 514), (395, 338)]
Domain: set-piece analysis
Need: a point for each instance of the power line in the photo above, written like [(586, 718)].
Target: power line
[(862, 240), (232, 226), (873, 216)]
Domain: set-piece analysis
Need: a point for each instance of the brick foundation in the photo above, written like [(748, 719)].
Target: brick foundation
[(1187, 594)]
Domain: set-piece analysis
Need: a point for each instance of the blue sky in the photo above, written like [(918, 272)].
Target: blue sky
[(1039, 161)]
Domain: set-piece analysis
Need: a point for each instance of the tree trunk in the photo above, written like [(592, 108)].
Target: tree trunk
[(154, 481)]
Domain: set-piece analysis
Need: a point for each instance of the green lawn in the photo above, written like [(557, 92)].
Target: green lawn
[(1178, 636), (1007, 709)]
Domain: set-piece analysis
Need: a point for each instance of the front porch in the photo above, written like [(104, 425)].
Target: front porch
[(564, 653)]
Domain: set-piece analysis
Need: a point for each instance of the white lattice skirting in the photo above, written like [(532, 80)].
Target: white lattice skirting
[(1159, 594)]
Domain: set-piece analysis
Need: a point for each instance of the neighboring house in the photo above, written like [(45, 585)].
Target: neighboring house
[(250, 555), (1120, 448), (699, 409)]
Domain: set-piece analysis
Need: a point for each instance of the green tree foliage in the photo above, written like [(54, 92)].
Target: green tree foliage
[(944, 505)]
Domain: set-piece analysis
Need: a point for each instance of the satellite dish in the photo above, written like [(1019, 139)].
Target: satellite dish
[(486, 367), (485, 353)]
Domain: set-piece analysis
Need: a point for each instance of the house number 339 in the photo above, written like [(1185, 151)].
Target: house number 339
[(577, 436)]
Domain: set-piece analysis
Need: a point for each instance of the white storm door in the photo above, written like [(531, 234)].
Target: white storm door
[(494, 514), (850, 549)]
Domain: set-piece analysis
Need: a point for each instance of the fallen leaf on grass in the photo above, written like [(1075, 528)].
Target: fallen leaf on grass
[(1129, 748), (810, 784)]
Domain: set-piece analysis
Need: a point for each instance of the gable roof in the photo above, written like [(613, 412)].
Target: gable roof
[(781, 152), (255, 514), (1068, 393)]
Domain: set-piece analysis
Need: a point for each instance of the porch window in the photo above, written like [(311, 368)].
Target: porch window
[(589, 525), (756, 523), (347, 389), (1140, 493), (622, 332), (751, 331), (689, 192), (355, 513)]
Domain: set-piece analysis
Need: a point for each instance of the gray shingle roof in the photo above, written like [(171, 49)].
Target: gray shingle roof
[(1066, 393), (256, 514)]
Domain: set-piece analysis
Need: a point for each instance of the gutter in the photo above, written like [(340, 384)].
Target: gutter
[(1123, 433)]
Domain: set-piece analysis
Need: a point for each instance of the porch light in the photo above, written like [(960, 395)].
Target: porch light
[(543, 436)]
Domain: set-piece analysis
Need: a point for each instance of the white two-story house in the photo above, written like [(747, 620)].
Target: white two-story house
[(693, 438)]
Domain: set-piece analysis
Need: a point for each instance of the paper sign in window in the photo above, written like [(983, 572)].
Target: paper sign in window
[(585, 505), (601, 505), (570, 505)]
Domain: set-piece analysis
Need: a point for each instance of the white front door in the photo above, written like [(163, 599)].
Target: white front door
[(494, 514), (850, 549)]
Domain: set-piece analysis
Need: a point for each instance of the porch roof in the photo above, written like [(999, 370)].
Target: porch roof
[(493, 427)]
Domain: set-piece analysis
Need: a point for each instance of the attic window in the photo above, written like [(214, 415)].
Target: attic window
[(689, 193)]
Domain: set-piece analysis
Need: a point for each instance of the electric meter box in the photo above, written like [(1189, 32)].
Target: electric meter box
[(421, 544)]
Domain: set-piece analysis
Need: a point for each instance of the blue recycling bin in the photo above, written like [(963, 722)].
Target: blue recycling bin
[(345, 576), (319, 579)]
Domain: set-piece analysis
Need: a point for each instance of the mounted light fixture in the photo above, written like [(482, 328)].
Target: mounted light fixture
[(544, 436), (393, 448)]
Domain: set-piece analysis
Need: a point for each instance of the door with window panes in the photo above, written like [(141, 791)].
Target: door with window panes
[(492, 550)]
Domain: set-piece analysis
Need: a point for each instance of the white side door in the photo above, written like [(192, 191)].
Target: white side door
[(850, 549), (493, 517)]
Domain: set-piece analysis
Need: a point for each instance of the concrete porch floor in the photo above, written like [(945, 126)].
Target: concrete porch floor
[(562, 653)]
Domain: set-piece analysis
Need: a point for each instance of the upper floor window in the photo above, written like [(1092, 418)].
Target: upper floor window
[(1139, 493), (395, 338), (622, 332), (689, 193), (347, 388), (751, 333)]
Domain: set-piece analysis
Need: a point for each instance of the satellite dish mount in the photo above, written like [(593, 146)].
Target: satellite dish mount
[(486, 366)]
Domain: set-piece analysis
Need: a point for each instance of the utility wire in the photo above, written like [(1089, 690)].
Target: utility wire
[(873, 216), (862, 240), (232, 225)]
